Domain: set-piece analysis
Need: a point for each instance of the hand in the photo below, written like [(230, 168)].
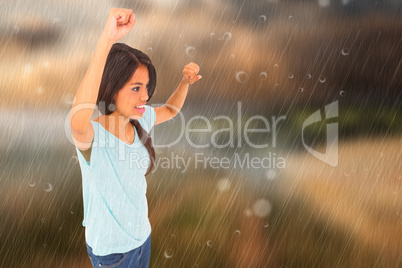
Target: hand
[(190, 72), (119, 23)]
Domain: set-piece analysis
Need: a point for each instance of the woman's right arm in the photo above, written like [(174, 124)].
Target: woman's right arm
[(87, 94), (118, 24)]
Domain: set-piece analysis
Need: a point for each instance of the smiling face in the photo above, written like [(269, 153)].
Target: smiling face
[(133, 94)]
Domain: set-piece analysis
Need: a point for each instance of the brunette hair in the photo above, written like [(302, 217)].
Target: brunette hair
[(121, 63)]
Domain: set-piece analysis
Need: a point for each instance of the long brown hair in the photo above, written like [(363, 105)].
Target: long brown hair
[(121, 63)]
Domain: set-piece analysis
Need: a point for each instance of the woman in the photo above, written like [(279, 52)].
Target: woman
[(115, 150)]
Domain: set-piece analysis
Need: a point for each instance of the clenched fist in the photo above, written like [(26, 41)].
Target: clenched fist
[(119, 23), (190, 72)]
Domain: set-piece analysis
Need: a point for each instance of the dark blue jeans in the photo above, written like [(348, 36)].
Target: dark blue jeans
[(138, 257)]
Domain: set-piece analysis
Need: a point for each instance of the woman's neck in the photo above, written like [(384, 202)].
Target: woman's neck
[(118, 125)]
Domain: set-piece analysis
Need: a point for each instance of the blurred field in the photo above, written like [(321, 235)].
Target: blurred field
[(347, 216), (353, 211)]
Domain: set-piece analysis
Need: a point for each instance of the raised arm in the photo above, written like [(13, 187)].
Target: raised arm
[(175, 102), (119, 23)]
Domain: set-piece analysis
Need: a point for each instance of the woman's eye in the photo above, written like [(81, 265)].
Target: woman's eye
[(136, 88)]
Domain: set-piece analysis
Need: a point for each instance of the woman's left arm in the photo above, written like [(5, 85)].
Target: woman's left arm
[(173, 105)]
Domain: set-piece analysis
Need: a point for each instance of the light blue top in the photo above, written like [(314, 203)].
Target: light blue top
[(114, 190)]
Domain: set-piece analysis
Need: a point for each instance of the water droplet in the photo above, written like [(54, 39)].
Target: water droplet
[(27, 69), (190, 51), (48, 187), (342, 93), (149, 50), (237, 232), (72, 212), (322, 79), (276, 65), (232, 55), (223, 184), (263, 75), (262, 208), (270, 174), (248, 212), (346, 2), (291, 76), (262, 18), (56, 21), (111, 107), (241, 76), (209, 243), (301, 89), (345, 51), (308, 76), (266, 224), (324, 3), (31, 183), (16, 29), (74, 159), (212, 35), (228, 35), (68, 99), (290, 17), (168, 253), (39, 90)]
